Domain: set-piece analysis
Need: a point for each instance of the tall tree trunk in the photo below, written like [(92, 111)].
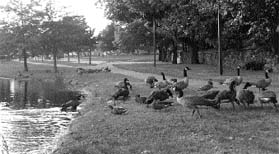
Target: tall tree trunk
[(164, 54), (160, 53), (25, 60), (78, 55), (54, 60), (194, 53), (25, 93), (90, 56), (174, 51)]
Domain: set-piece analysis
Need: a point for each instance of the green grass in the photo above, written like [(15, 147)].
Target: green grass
[(110, 58), (71, 63), (172, 130)]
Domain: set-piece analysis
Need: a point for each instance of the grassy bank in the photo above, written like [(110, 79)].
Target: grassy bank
[(146, 131)]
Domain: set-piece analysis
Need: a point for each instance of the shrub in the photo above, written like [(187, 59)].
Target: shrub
[(254, 65)]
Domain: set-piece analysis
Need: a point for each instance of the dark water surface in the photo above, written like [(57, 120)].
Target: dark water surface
[(30, 116)]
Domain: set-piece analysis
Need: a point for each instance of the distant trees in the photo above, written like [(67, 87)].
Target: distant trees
[(38, 30), (192, 25)]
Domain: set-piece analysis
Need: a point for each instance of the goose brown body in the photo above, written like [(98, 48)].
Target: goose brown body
[(245, 96), (229, 95), (150, 80), (193, 102)]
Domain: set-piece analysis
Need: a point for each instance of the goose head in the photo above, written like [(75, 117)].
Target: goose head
[(210, 82), (238, 70), (163, 74)]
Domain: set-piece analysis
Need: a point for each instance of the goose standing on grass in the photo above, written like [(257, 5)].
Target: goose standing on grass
[(263, 83), (227, 95), (207, 87), (122, 84), (245, 96), (268, 96), (193, 102), (162, 84), (150, 80), (238, 79), (122, 93), (185, 82)]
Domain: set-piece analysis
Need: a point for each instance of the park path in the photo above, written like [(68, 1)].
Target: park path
[(193, 84)]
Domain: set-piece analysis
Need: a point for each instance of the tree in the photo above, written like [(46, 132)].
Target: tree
[(24, 27), (135, 36), (107, 38)]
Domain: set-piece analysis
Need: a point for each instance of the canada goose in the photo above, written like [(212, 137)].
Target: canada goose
[(238, 79), (122, 84), (162, 84), (118, 109), (121, 93), (207, 87), (268, 97), (193, 102), (150, 80), (245, 96), (263, 83), (80, 71), (159, 95), (185, 82), (229, 95), (210, 94), (74, 103), (139, 99)]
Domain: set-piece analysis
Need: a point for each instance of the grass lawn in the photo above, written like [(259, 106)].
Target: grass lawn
[(71, 63), (170, 131), (111, 58)]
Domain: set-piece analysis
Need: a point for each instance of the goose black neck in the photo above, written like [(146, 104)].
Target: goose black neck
[(238, 71), (180, 93), (232, 86), (164, 77), (185, 72), (266, 75), (246, 86)]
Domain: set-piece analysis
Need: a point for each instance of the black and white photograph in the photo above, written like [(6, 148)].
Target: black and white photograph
[(139, 76)]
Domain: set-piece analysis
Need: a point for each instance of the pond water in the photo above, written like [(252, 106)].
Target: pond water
[(30, 116)]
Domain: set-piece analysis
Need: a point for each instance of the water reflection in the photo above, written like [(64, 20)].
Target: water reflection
[(29, 114), (34, 93)]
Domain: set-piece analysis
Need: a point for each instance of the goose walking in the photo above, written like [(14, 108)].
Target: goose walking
[(185, 82), (238, 79)]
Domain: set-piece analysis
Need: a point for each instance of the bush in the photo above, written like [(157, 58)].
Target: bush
[(254, 65)]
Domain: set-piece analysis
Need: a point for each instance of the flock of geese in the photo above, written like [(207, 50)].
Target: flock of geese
[(166, 89)]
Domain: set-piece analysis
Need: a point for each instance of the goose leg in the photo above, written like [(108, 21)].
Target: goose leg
[(244, 104), (233, 104), (199, 113), (193, 112), (275, 106)]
